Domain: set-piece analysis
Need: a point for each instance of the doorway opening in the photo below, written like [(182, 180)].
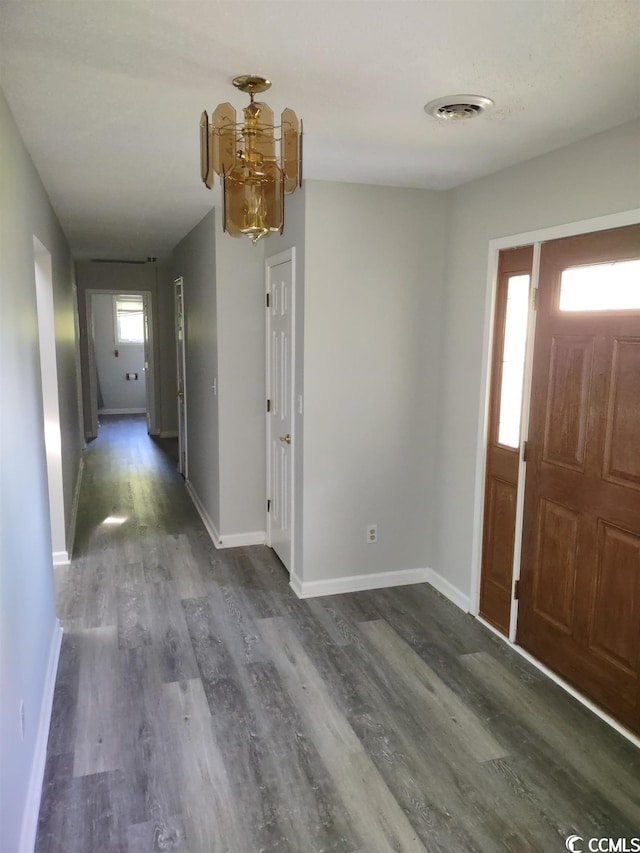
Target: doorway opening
[(50, 404), (120, 348)]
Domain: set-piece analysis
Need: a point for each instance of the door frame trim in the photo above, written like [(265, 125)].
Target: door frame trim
[(524, 431), (49, 389), (272, 261), (183, 347), (535, 238)]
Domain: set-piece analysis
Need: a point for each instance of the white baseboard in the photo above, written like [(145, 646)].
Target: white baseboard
[(71, 532), (449, 590), (204, 515), (240, 540), (34, 792), (233, 540), (60, 558), (379, 580), (168, 433), (122, 411), (357, 583)]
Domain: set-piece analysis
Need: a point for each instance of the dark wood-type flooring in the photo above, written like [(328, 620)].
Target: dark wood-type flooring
[(200, 706)]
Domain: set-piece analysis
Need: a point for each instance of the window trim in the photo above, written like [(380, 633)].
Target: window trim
[(126, 297)]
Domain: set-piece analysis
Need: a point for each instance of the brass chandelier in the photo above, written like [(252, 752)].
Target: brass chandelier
[(254, 178)]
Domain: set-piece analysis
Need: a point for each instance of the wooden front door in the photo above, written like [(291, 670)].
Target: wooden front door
[(503, 440), (580, 572)]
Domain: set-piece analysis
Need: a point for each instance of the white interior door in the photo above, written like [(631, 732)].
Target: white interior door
[(181, 379), (93, 371), (148, 384), (280, 402)]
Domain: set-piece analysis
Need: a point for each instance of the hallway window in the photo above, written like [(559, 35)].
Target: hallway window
[(129, 319)]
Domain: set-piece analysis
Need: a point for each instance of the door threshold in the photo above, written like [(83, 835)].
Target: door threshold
[(568, 688)]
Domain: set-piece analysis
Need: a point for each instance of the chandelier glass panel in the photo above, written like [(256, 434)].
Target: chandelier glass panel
[(256, 160)]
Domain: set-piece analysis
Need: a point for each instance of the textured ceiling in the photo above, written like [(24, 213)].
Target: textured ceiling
[(108, 94)]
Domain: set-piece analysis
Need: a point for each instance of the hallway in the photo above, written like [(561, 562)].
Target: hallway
[(201, 706)]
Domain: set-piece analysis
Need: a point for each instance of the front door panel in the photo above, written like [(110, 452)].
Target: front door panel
[(580, 573), (503, 442)]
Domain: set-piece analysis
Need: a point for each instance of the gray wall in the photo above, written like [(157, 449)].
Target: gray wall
[(241, 383), (224, 334), (598, 176), (194, 259), (168, 401), (27, 610), (374, 266), (117, 391)]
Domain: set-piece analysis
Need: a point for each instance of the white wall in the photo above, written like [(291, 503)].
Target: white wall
[(598, 176), (28, 632), (374, 259)]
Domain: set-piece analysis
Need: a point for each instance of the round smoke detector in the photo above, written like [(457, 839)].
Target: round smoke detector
[(458, 107)]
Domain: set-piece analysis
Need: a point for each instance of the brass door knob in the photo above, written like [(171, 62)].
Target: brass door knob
[(286, 438)]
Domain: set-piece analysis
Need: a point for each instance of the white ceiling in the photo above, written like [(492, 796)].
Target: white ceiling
[(108, 94)]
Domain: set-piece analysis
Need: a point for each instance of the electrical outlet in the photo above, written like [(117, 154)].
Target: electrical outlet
[(372, 533), (22, 719)]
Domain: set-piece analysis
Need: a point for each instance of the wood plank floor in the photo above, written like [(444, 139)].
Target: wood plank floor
[(200, 706)]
